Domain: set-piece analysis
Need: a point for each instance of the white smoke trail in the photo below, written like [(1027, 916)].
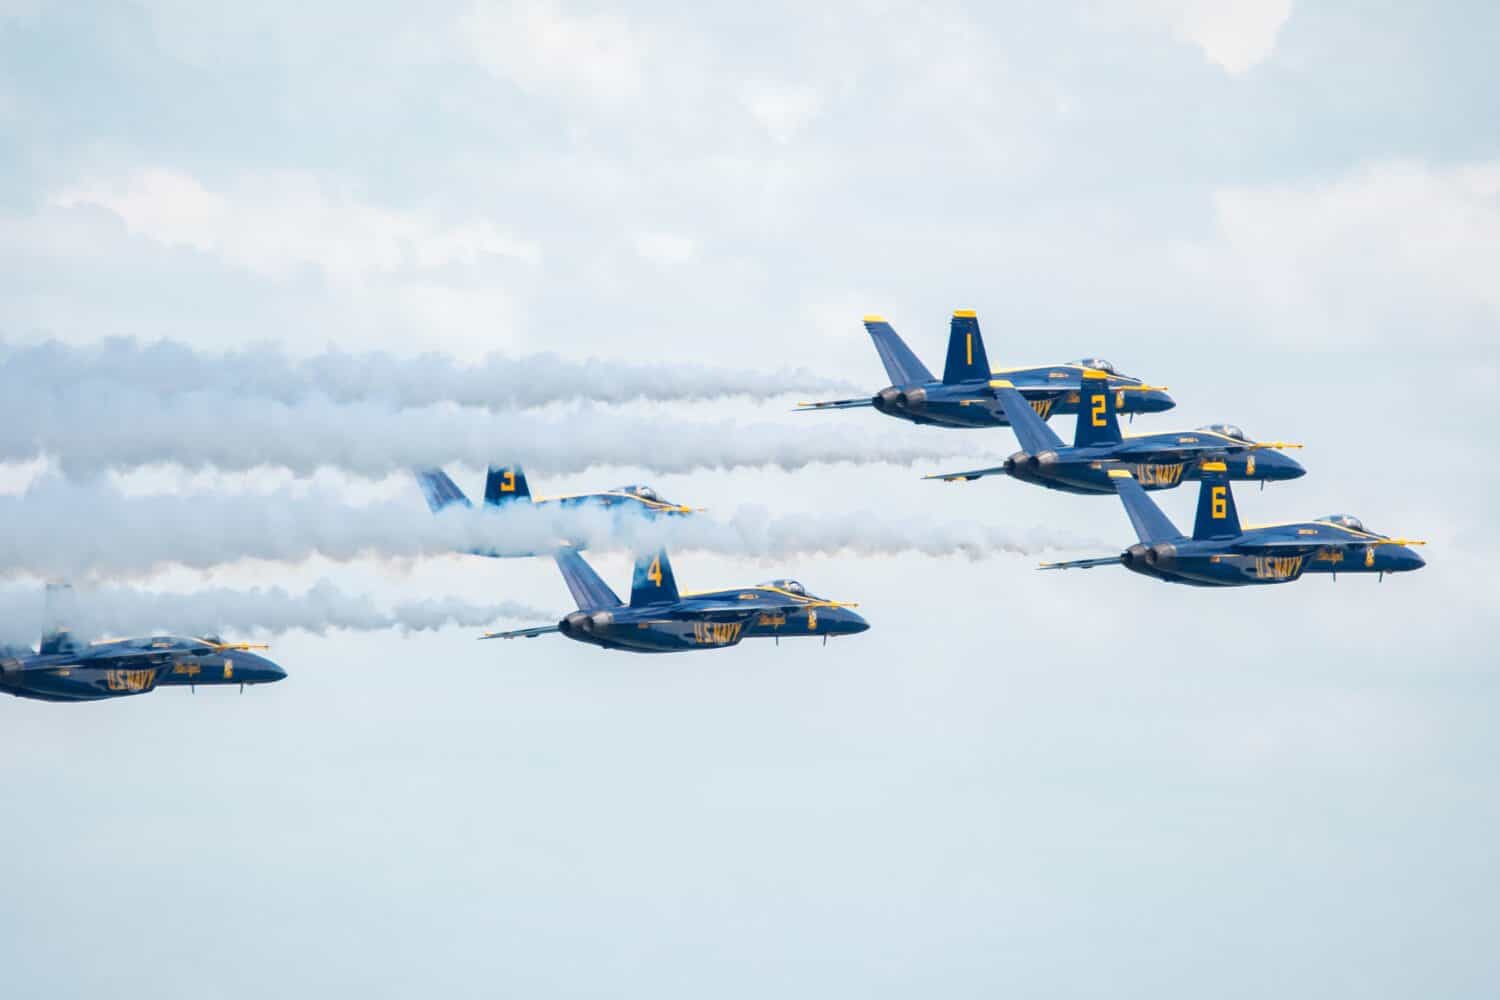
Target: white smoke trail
[(60, 529), (166, 368), (100, 426), (130, 611)]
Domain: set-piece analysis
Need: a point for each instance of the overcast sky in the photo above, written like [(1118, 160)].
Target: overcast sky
[(1076, 785)]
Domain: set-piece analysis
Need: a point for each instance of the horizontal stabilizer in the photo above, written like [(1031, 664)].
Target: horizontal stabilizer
[(522, 633), (1083, 563), (440, 491), (964, 477), (837, 404), (903, 367)]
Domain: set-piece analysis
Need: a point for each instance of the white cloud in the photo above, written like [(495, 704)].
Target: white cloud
[(1399, 251), (1235, 34), (665, 248), (540, 48), (782, 110), (275, 224)]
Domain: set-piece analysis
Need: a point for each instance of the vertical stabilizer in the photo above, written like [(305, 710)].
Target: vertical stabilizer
[(966, 358), (505, 483), (653, 582), (1097, 405), (59, 618), (901, 365), (1217, 517)]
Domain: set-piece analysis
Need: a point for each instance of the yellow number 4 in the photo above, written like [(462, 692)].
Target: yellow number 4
[(1097, 403), (654, 573), (1219, 508)]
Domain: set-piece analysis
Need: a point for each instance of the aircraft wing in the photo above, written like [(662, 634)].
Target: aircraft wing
[(522, 633), (1083, 563), (837, 404), (963, 477)]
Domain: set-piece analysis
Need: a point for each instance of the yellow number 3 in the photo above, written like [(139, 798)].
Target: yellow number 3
[(508, 482), (1097, 403), (654, 573), (1220, 507)]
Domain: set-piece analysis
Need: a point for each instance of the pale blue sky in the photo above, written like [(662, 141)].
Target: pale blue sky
[(1075, 785)]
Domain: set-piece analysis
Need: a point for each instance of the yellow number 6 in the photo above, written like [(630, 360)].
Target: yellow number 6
[(1220, 506)]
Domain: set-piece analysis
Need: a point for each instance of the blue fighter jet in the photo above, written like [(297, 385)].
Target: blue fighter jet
[(1221, 553), (1158, 461), (659, 619), (63, 669), (964, 396), (507, 484)]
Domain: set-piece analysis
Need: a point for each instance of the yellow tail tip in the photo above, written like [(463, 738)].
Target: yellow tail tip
[(963, 314), (874, 318)]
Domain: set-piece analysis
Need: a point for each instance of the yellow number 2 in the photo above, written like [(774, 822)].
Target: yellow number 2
[(1097, 407), (654, 573), (1219, 507)]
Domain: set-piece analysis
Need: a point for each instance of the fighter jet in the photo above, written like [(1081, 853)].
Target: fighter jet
[(964, 396), (507, 484), (1158, 461), (1221, 553), (65, 669), (659, 619)]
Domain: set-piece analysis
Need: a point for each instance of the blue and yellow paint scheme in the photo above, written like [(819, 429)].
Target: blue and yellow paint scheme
[(506, 484), (661, 619), (1222, 553), (64, 669), (965, 396), (1157, 461)]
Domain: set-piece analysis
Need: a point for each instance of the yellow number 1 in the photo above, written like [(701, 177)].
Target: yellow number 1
[(969, 346), (1098, 410), (654, 573), (1219, 506)]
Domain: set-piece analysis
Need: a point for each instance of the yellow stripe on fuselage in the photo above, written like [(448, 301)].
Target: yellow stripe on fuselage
[(1077, 368)]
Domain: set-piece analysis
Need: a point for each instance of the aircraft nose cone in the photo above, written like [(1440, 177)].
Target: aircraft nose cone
[(252, 669), (1288, 467), (1157, 401), (849, 622), (1409, 559)]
